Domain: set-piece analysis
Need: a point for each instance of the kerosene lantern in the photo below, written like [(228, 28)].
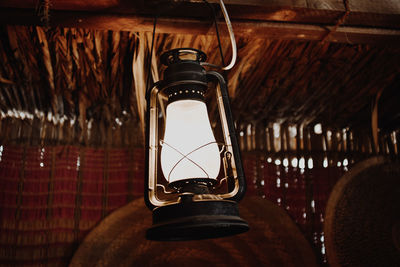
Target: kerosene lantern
[(185, 196)]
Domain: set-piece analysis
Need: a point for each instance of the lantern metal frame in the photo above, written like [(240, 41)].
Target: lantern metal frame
[(195, 214)]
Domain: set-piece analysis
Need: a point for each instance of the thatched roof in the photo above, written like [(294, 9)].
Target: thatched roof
[(78, 85)]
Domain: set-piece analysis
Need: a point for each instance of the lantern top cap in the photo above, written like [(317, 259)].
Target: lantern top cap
[(182, 55)]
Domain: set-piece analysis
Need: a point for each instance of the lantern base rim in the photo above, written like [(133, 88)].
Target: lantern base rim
[(195, 220)]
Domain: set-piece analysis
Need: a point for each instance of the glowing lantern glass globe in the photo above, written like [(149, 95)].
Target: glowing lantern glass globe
[(189, 148), (192, 182)]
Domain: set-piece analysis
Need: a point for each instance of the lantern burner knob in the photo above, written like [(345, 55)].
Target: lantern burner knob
[(195, 186)]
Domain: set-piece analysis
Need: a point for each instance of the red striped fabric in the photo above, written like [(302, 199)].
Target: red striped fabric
[(51, 197), (302, 192)]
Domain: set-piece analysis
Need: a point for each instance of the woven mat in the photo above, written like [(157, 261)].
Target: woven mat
[(273, 240), (363, 216)]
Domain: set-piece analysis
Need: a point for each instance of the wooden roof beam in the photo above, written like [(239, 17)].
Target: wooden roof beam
[(246, 28), (372, 7), (384, 14), (368, 21)]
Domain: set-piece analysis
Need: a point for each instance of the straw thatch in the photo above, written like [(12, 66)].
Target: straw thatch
[(68, 85)]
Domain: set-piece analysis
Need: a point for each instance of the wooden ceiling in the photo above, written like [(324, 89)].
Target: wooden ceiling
[(363, 21), (299, 62)]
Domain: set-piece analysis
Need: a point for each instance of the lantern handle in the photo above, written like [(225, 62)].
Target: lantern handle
[(215, 76)]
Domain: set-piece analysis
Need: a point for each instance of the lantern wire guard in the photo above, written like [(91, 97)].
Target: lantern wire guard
[(194, 211)]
